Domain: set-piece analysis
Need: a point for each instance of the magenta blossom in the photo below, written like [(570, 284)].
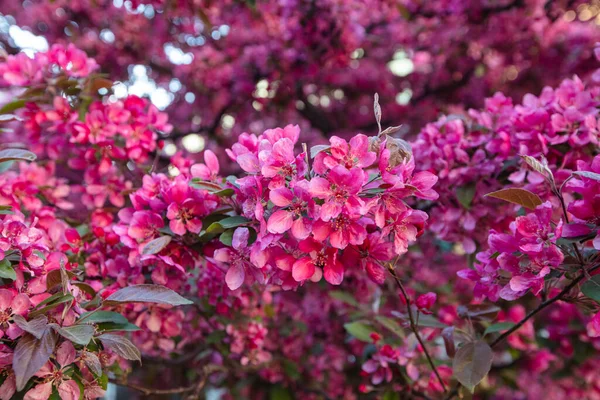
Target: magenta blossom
[(339, 191), (320, 261), (347, 154), (296, 212)]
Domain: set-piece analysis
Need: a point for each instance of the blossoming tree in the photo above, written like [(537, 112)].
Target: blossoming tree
[(461, 261)]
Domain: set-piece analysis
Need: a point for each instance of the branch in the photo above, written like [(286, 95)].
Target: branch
[(532, 313), (543, 305), (194, 389), (413, 325), (146, 391)]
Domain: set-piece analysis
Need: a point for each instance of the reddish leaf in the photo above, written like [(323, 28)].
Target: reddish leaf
[(472, 363), (36, 326), (448, 336), (156, 245), (521, 197), (121, 346), (147, 294), (31, 354)]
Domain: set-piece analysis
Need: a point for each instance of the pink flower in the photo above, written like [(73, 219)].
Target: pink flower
[(319, 261), (593, 327), (68, 389), (425, 302), (339, 191), (11, 304), (187, 207), (144, 225), (72, 60), (241, 260), (405, 228), (208, 171), (380, 365), (371, 254), (346, 228), (296, 212), (349, 155), (22, 70), (279, 162)]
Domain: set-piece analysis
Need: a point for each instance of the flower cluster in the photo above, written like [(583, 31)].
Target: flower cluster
[(517, 262), (22, 70), (306, 217), (477, 154), (284, 266)]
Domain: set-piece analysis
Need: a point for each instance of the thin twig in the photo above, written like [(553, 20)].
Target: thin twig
[(413, 325), (543, 305), (194, 389), (563, 206), (146, 391)]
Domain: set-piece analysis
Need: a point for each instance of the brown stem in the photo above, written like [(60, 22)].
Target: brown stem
[(413, 325), (543, 305), (194, 389), (566, 217), (146, 391)]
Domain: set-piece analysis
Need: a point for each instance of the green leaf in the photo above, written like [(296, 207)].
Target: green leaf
[(219, 227), (6, 210), (344, 297), (121, 346), (279, 393), (16, 155), (146, 294), (51, 299), (114, 327), (233, 222), (7, 271), (95, 317), (390, 395), (31, 354), (225, 193), (212, 188), (103, 381), (227, 237), (156, 245), (78, 334), (591, 288), (53, 302), (12, 106), (360, 330), (291, 369), (472, 363), (465, 195), (215, 337), (517, 196), (497, 327), (391, 325), (198, 183)]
